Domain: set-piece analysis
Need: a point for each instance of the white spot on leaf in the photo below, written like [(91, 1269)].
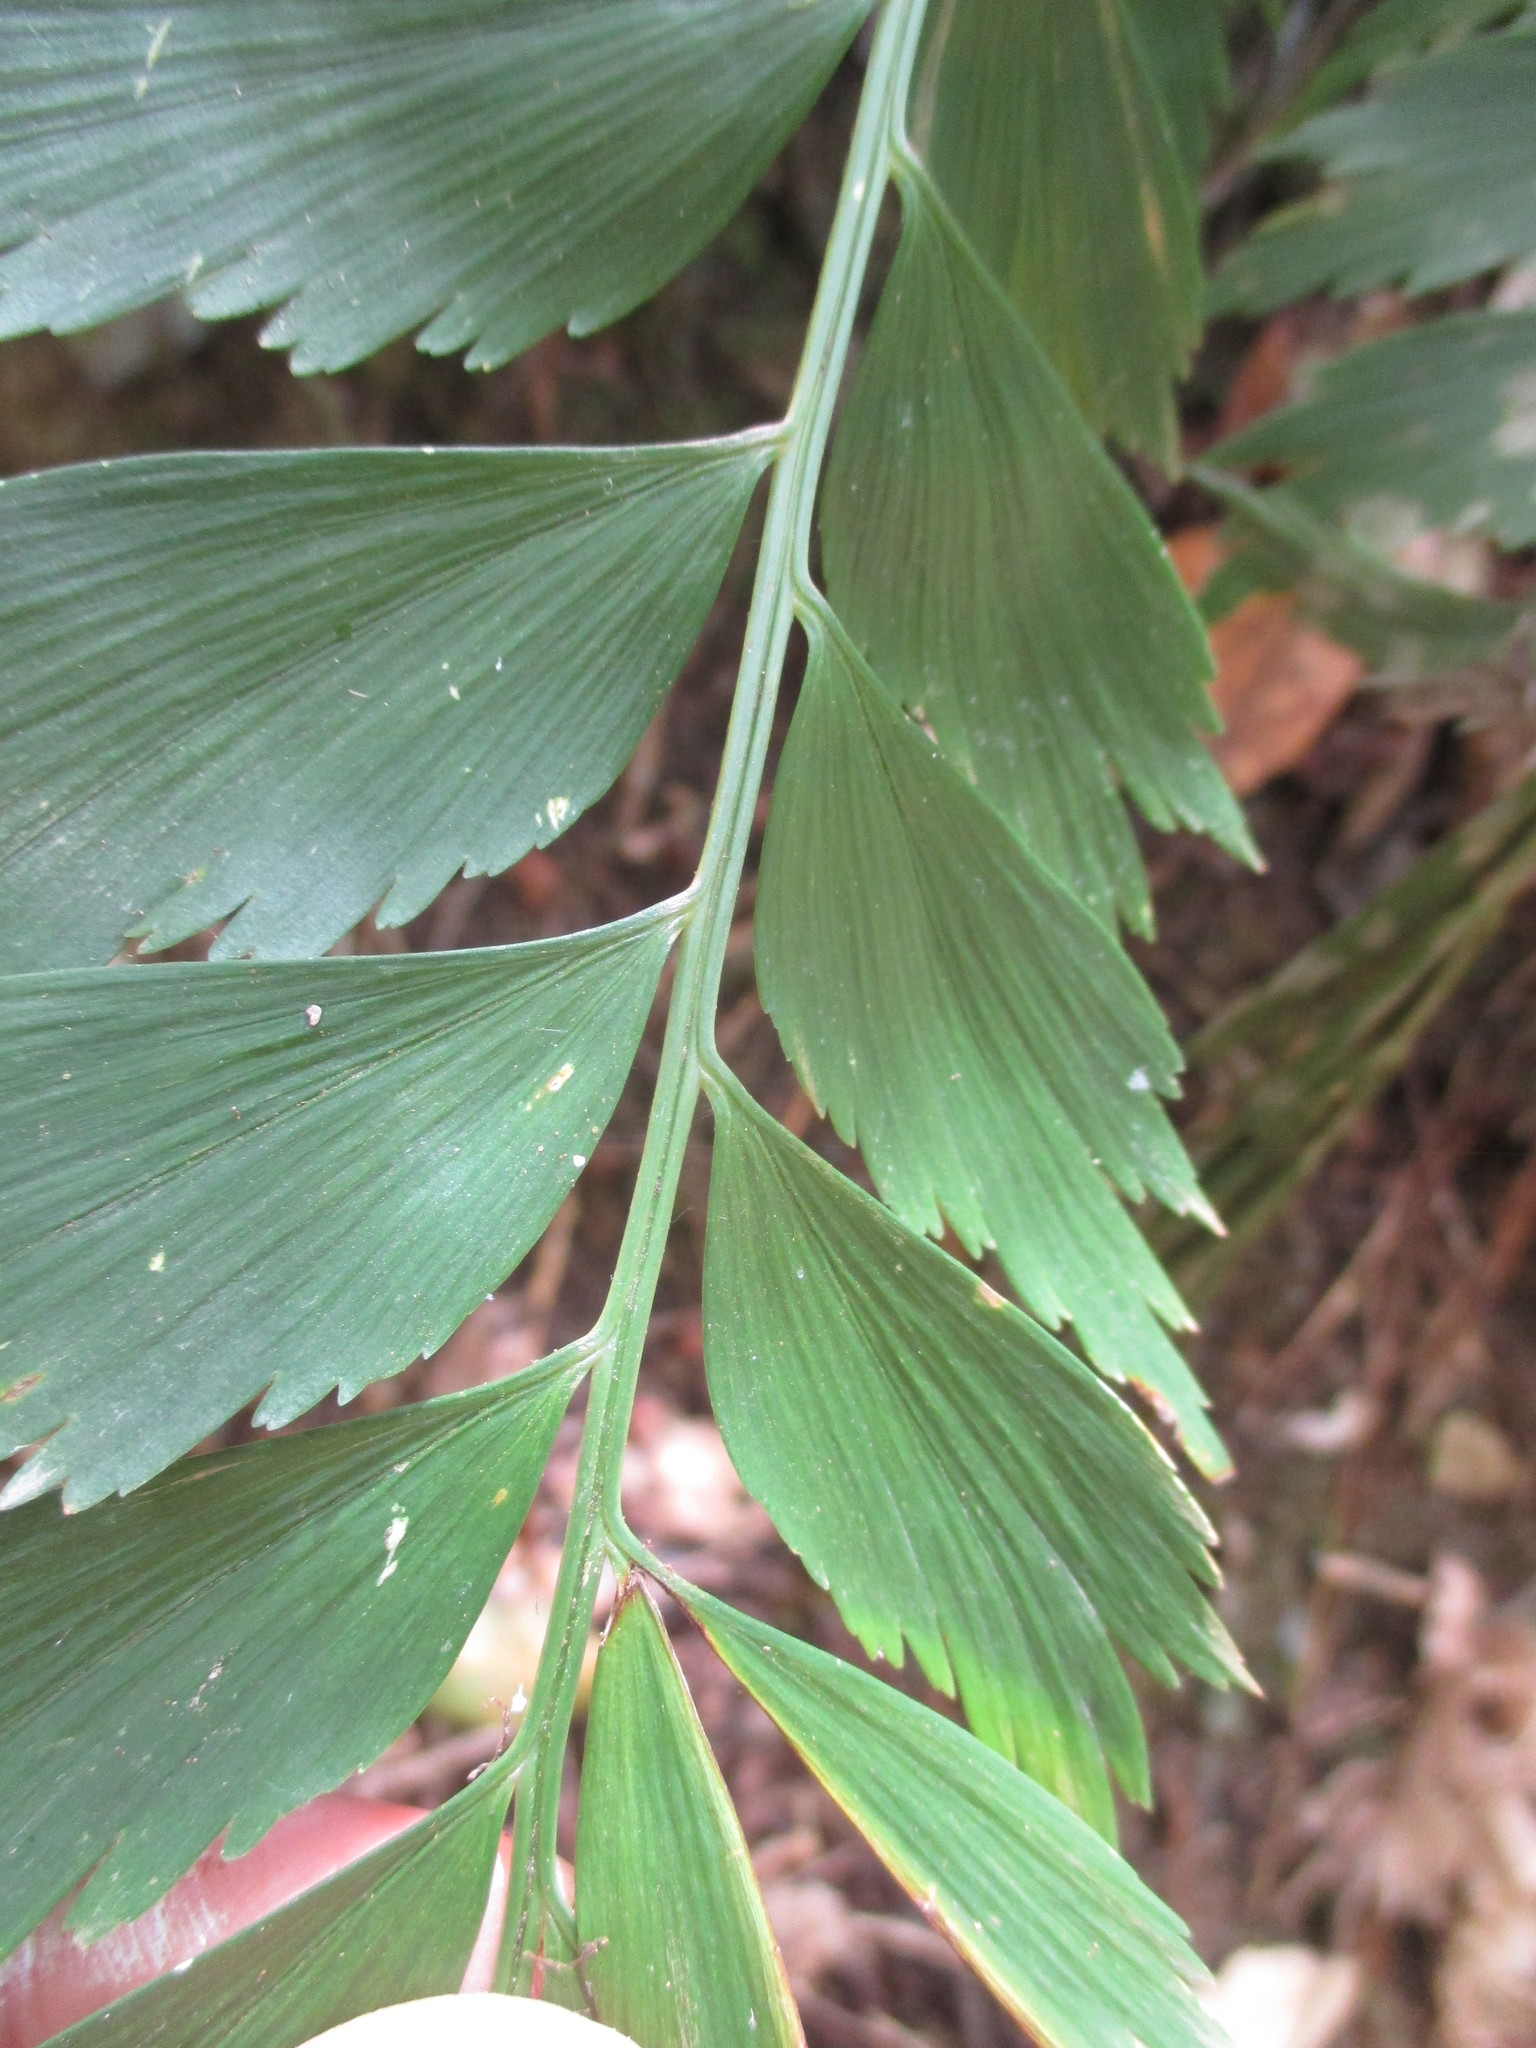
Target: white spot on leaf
[(394, 1536), (157, 36), (196, 1701)]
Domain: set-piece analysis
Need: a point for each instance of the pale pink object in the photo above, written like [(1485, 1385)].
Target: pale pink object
[(53, 1979)]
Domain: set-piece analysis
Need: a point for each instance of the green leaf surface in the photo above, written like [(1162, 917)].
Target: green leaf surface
[(1005, 584), (1291, 1066), (1405, 629), (945, 1468), (1060, 1928), (485, 172), (399, 1923), (668, 1912), (1433, 426), (965, 1022), (1430, 180), (241, 1634), (1050, 139), (1185, 47), (1389, 30), (224, 1181), (287, 688)]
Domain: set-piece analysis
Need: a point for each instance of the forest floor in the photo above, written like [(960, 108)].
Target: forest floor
[(1370, 1815)]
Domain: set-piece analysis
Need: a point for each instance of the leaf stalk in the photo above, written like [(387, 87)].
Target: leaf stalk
[(538, 1919)]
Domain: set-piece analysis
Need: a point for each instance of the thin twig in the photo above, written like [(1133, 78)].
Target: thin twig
[(1347, 1571)]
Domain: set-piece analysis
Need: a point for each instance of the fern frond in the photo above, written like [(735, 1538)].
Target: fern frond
[(957, 1480), (276, 1180), (1046, 643), (1060, 1928), (483, 173), (238, 689), (168, 1627), (1050, 140), (1391, 30), (1428, 181), (1433, 426), (678, 1939), (293, 688), (970, 1026)]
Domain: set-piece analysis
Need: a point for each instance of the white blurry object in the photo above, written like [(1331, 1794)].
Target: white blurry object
[(481, 2019), (493, 1674), (1285, 1997), (680, 1485), (1331, 1432)]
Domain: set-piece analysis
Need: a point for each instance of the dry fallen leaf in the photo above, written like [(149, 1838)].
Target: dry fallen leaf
[(482, 2019), (1265, 376), (1292, 342), (1457, 1846), (1279, 683)]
